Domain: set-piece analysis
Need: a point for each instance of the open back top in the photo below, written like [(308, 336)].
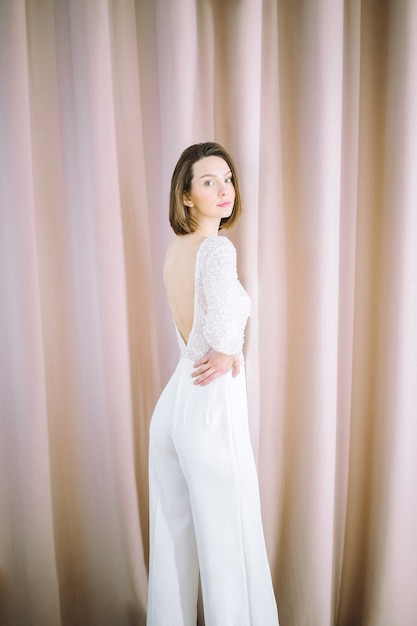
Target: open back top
[(221, 305)]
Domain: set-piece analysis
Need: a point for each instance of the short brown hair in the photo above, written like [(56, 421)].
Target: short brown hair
[(179, 216)]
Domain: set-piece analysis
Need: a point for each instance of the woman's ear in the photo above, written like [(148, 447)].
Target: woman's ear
[(187, 200)]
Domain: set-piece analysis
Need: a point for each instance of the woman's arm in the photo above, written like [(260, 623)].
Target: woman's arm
[(227, 311)]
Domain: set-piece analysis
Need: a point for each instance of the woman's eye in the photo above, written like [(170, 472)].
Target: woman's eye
[(229, 180), (208, 183)]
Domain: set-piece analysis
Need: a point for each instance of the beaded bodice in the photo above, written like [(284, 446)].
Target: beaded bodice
[(221, 305)]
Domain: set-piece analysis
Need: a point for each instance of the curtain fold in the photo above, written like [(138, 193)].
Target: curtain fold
[(316, 100)]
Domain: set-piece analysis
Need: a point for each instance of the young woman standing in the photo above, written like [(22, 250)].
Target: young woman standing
[(205, 517)]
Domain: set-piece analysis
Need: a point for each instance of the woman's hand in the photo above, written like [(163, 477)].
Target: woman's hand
[(214, 364)]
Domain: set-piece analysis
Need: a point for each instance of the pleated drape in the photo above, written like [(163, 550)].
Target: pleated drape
[(316, 99)]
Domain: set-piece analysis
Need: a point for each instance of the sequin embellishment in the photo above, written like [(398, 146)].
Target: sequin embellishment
[(221, 305)]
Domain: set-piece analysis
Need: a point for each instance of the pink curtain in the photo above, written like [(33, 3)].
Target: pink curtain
[(317, 101)]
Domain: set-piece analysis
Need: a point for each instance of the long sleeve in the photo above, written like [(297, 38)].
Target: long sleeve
[(227, 303)]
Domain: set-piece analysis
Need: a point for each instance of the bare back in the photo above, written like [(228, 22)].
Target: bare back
[(179, 276)]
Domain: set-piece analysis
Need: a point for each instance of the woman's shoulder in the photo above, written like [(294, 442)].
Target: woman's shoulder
[(217, 253), (208, 250), (217, 244), (182, 245)]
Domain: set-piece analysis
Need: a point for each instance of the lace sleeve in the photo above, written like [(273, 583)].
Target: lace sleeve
[(227, 303)]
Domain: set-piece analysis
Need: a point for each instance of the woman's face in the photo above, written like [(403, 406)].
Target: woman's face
[(212, 193)]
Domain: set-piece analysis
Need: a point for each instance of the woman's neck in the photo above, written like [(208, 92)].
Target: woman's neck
[(208, 229)]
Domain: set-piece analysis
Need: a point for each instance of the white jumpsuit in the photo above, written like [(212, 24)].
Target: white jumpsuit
[(205, 514)]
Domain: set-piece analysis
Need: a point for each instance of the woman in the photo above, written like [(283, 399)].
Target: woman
[(204, 500)]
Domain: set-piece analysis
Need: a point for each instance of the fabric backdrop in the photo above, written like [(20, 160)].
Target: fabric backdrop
[(317, 101)]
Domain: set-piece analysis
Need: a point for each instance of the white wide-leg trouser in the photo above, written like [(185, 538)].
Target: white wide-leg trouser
[(204, 508)]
